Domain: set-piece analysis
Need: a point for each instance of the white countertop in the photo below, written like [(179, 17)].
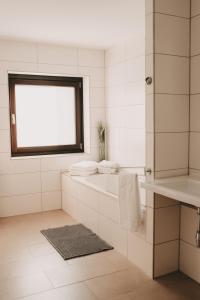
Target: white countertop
[(182, 188)]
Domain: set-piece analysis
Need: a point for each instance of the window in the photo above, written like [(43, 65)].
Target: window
[(46, 114)]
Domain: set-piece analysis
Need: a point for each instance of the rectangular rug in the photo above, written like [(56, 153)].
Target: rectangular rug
[(74, 241)]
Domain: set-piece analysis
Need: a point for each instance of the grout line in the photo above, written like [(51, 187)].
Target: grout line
[(171, 15), (190, 49), (174, 55), (166, 242)]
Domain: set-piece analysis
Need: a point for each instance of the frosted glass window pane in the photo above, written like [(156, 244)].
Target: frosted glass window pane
[(45, 115)]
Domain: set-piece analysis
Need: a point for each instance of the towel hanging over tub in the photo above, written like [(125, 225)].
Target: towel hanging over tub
[(129, 201)]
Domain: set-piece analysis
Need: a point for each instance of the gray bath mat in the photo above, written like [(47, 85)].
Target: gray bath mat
[(75, 241)]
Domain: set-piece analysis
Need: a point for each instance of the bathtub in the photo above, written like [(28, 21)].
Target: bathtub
[(93, 201)]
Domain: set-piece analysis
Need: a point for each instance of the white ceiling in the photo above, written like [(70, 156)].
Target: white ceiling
[(84, 23)]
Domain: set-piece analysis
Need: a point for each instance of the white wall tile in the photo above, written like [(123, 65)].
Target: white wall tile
[(50, 181), (19, 184), (97, 97), (4, 118), (194, 150), (90, 58), (5, 141), (58, 162), (17, 51), (171, 113), (189, 224), (10, 165), (190, 260), (194, 112), (195, 6), (140, 253), (22, 204), (89, 217), (171, 150), (63, 70), (149, 113), (51, 200), (166, 257), (134, 93), (135, 69), (171, 35), (114, 55), (51, 54), (173, 7), (97, 114), (134, 47), (113, 234), (4, 100), (96, 75), (194, 80), (171, 74)]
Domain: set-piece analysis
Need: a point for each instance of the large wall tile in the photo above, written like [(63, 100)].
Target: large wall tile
[(51, 54), (96, 75), (5, 141), (189, 224), (63, 70), (90, 58), (190, 260), (194, 80), (194, 112), (171, 113), (166, 258), (171, 74), (195, 39), (19, 184), (4, 99), (166, 224), (173, 7), (171, 151), (194, 150), (50, 181), (51, 200), (97, 98), (171, 173), (140, 253), (18, 51), (18, 205), (171, 35), (195, 6), (4, 118), (10, 165), (162, 201)]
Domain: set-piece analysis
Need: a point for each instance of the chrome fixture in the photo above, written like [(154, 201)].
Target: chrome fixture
[(147, 171), (148, 80), (198, 229)]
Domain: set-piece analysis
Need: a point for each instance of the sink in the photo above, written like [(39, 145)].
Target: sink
[(183, 188)]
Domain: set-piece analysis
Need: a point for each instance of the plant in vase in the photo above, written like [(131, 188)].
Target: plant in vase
[(101, 139)]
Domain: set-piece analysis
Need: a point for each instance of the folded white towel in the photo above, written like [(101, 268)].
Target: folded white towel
[(84, 165), (129, 201), (108, 164), (105, 170), (82, 173)]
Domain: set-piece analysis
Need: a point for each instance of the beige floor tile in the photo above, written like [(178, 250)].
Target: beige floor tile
[(41, 249), (83, 269), (73, 292), (117, 283), (28, 285)]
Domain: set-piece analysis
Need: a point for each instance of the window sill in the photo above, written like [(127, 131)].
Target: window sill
[(48, 156)]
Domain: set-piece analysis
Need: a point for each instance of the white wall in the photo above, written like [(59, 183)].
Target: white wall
[(33, 184), (125, 102)]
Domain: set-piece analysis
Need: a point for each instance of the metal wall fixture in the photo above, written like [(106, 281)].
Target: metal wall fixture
[(148, 80), (198, 229)]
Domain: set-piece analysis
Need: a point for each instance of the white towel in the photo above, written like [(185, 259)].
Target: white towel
[(108, 164), (129, 201), (105, 170), (82, 173), (84, 165)]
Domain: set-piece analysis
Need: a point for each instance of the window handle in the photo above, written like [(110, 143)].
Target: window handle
[(13, 119)]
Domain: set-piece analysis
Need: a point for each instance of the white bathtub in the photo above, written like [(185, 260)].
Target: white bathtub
[(93, 201)]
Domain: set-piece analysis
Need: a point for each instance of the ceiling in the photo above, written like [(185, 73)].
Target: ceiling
[(84, 23)]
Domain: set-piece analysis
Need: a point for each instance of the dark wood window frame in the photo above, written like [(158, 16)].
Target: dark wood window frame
[(77, 83)]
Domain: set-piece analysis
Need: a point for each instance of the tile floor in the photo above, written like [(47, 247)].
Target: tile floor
[(31, 269)]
